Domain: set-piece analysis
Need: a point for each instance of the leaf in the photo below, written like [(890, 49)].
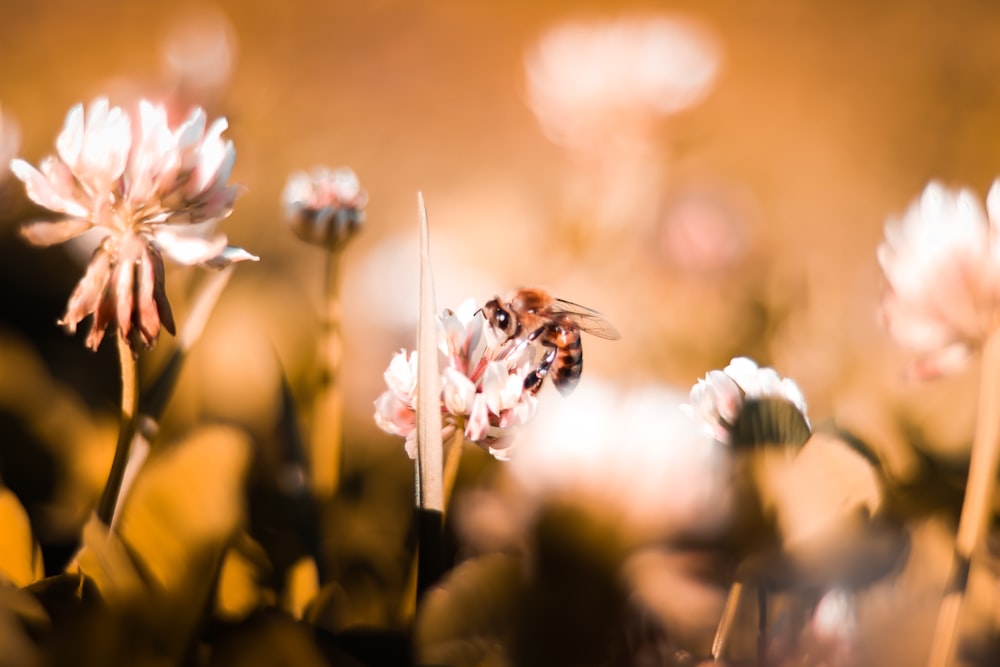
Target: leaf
[(185, 508), (20, 555), (468, 617)]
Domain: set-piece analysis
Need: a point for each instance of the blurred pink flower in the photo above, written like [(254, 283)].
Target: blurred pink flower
[(583, 75), (151, 191), (10, 139), (482, 385), (717, 400), (941, 260), (325, 207)]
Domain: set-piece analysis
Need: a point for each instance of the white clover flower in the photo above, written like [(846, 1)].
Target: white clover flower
[(151, 191), (631, 455), (941, 261), (584, 75), (482, 386), (325, 207), (717, 400)]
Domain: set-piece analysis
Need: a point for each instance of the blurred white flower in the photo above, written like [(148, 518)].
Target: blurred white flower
[(10, 140), (717, 400), (585, 75), (941, 260), (198, 49), (325, 207), (151, 191), (482, 385), (630, 454)]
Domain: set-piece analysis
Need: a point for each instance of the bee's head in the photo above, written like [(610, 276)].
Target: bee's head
[(499, 317)]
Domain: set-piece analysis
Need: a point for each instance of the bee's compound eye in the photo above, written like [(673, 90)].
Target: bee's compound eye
[(502, 319)]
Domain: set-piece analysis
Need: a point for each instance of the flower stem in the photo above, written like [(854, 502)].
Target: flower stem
[(326, 441), (978, 492), (726, 622), (451, 466), (126, 431)]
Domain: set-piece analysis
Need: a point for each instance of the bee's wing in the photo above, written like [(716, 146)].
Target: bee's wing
[(585, 319)]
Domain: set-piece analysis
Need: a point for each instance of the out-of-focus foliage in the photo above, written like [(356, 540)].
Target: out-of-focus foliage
[(20, 556), (180, 517)]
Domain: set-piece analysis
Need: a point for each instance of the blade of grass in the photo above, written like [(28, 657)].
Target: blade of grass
[(430, 464)]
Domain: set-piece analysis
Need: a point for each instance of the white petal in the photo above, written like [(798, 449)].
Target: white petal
[(230, 255), (69, 143), (41, 191), (50, 233), (458, 391), (189, 250)]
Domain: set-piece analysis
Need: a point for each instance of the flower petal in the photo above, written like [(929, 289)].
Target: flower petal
[(188, 250), (145, 292), (89, 292), (44, 233), (41, 191), (230, 255), (69, 143)]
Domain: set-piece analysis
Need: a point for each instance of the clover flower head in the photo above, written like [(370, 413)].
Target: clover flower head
[(482, 385), (584, 75), (152, 191), (941, 261), (325, 207), (717, 400)]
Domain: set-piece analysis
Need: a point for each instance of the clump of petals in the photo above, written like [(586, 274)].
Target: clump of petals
[(150, 191), (717, 400), (583, 76), (941, 261), (482, 387), (325, 207)]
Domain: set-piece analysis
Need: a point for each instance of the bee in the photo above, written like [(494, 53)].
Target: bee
[(531, 314)]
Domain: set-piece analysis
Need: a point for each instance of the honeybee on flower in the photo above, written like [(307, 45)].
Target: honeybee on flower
[(151, 191), (483, 384)]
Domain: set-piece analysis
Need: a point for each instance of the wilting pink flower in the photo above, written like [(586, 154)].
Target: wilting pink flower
[(941, 260), (482, 385), (717, 400), (151, 191), (325, 207)]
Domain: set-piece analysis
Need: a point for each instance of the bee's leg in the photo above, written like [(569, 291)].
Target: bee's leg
[(533, 381)]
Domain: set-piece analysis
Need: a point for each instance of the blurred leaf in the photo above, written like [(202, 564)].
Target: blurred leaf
[(20, 555), (80, 630), (265, 639), (470, 616), (105, 559), (187, 505), (301, 587), (240, 588), (184, 510), (22, 618)]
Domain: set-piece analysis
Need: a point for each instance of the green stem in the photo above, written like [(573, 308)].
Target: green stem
[(126, 430), (976, 504), (326, 441)]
